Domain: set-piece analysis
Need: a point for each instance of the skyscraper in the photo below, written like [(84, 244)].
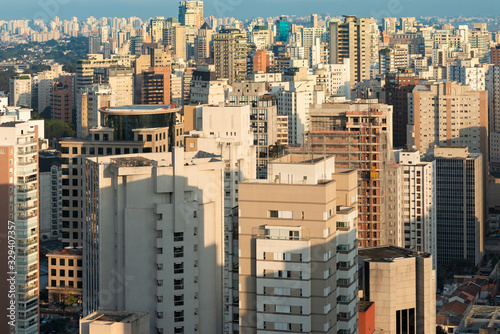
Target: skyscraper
[(282, 29), (459, 205), (191, 14), (351, 39)]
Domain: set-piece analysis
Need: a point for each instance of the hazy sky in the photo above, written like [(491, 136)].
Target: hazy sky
[(243, 9)]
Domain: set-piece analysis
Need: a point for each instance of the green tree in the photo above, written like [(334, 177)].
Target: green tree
[(70, 300), (58, 129)]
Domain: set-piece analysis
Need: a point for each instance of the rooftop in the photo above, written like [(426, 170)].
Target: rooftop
[(116, 316), (140, 109), (65, 251), (388, 253)]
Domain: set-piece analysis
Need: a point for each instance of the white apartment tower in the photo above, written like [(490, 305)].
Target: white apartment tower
[(154, 239)]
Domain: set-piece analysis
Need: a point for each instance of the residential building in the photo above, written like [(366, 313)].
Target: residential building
[(261, 61), (495, 55), (402, 284), (297, 248), (19, 209), (393, 59), (469, 72), (175, 36), (230, 54), (493, 88), (62, 98), (156, 85), (167, 250), (282, 130), (350, 39), (359, 135), (20, 91), (50, 180), (205, 87), (92, 99), (459, 205), (203, 45), (419, 203), (65, 270), (448, 114), (191, 14)]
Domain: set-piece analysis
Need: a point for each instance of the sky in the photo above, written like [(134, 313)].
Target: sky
[(246, 9)]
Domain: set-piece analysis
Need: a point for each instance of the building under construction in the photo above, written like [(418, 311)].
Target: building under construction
[(359, 135)]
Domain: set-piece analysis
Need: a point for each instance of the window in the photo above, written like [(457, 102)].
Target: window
[(280, 214), (79, 273), (179, 284), (282, 308), (178, 300), (70, 262), (53, 282), (61, 262), (79, 285), (179, 268), (71, 273), (62, 283), (178, 236), (53, 272), (179, 251), (62, 273)]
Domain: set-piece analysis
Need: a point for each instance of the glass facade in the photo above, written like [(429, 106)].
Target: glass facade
[(124, 124)]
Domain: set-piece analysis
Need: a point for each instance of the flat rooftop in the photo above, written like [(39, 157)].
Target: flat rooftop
[(388, 253), (115, 316), (140, 109), (301, 158)]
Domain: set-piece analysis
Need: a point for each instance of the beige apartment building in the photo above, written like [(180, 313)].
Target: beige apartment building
[(447, 114), (402, 284), (65, 274), (359, 135), (115, 322), (298, 248), (154, 239)]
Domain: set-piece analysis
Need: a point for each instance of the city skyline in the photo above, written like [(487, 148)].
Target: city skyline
[(66, 9)]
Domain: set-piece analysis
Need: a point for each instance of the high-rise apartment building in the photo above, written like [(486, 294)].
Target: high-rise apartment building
[(459, 205), (493, 88), (175, 36), (203, 44), (164, 250), (261, 61), (20, 91), (156, 27), (402, 285), (230, 54), (359, 136), (389, 25), (125, 130), (19, 210), (419, 202), (62, 98), (297, 249), (469, 72), (393, 59), (447, 114), (495, 55), (397, 87), (351, 39), (45, 82), (191, 14), (91, 100), (205, 87), (50, 204), (121, 81), (156, 85)]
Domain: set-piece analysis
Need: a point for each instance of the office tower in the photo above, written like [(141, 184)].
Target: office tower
[(493, 88), (402, 285), (230, 54), (351, 39), (447, 114), (459, 205), (314, 20), (419, 201), (62, 98), (92, 99), (261, 61), (297, 249), (309, 36), (20, 91), (136, 43), (156, 85), (125, 130), (282, 29), (469, 72), (205, 87), (168, 246), (19, 205), (156, 27), (175, 36), (50, 205), (94, 43), (397, 87), (393, 59), (191, 14), (65, 270), (203, 45), (263, 118), (389, 25), (359, 136), (495, 55)]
